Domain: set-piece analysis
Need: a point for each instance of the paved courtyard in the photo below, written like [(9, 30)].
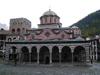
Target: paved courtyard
[(48, 70)]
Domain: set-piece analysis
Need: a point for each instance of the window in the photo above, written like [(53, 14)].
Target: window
[(45, 19), (14, 38), (9, 39), (23, 30), (47, 34), (42, 21), (32, 36), (76, 31), (55, 19), (13, 30), (18, 30), (62, 35), (50, 19)]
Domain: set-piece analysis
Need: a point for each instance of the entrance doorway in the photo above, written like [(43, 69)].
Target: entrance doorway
[(47, 60)]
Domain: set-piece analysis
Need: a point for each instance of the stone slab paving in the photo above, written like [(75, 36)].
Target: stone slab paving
[(48, 70)]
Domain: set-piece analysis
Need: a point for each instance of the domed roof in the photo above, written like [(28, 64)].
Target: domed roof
[(49, 13), (79, 39), (74, 27)]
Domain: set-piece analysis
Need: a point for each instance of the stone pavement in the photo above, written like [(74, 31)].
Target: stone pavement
[(49, 69)]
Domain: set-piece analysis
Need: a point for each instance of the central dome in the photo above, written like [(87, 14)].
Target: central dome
[(49, 13)]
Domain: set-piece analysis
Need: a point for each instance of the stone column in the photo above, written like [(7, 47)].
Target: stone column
[(19, 54), (72, 57), (87, 55), (38, 51), (7, 55), (60, 57), (60, 47), (38, 57), (50, 48), (3, 48), (29, 57), (50, 57), (96, 50), (90, 53), (93, 49)]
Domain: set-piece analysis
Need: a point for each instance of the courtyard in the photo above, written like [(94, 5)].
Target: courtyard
[(44, 69)]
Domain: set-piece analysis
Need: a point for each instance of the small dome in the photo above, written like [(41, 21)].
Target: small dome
[(79, 39), (49, 13), (74, 27)]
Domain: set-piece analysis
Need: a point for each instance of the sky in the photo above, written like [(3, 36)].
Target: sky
[(69, 11)]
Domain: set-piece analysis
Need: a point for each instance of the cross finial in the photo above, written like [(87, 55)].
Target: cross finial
[(49, 8)]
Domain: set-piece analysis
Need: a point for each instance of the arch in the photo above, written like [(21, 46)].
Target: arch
[(66, 54), (13, 31), (79, 54), (14, 38), (9, 39), (34, 54), (1, 54), (18, 30), (13, 53), (23, 30), (44, 52), (47, 60), (25, 54), (55, 54)]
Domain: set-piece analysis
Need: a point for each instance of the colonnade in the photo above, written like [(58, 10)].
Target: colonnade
[(93, 50), (50, 48)]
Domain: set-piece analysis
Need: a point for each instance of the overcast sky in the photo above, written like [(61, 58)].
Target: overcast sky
[(69, 11)]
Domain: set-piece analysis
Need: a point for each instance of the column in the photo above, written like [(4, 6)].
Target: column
[(96, 50), (93, 49), (38, 57), (87, 55), (72, 57), (50, 48), (60, 57), (3, 48), (50, 57), (90, 53), (19, 57), (38, 48), (29, 57), (7, 55)]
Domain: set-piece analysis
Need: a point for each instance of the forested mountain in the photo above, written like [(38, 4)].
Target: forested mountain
[(90, 25)]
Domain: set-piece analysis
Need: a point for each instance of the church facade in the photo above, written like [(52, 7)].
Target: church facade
[(49, 43)]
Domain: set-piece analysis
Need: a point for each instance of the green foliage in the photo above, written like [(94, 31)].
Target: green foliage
[(90, 25)]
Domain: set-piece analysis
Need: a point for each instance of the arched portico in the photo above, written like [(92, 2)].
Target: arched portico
[(44, 55), (79, 54), (34, 54), (13, 53), (25, 54), (55, 54), (66, 54)]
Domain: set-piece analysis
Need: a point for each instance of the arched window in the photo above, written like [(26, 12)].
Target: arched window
[(14, 38), (9, 39), (50, 19), (76, 31), (45, 19), (32, 36), (13, 30), (62, 35), (23, 30), (55, 20), (18, 30), (42, 21)]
